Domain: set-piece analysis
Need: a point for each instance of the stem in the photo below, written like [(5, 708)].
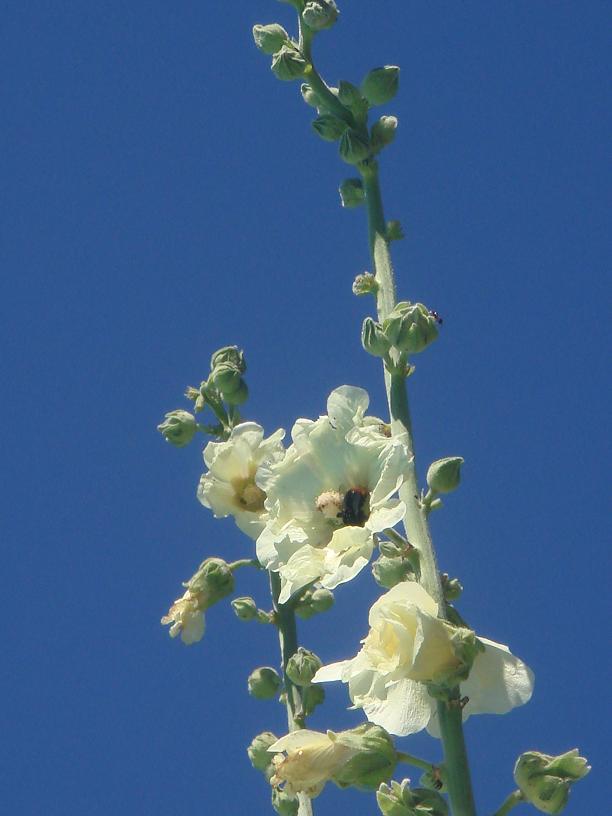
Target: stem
[(417, 529), (287, 635), (244, 562), (410, 759), (316, 82), (511, 802)]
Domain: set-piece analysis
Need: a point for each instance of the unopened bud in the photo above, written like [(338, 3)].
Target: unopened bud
[(214, 580), (270, 38), (320, 14), (410, 327), (329, 127), (285, 803), (178, 428), (354, 147), (394, 231), (314, 601), (352, 193), (288, 64), (451, 587), (302, 667), (258, 750), (444, 475), (245, 609), (545, 781), (374, 759), (388, 572), (309, 96), (230, 355), (264, 683), (383, 132), (381, 84), (226, 378), (373, 338), (400, 800), (312, 696)]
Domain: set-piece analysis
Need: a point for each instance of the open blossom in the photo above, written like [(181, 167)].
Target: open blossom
[(308, 760), (408, 646), (229, 486), (186, 618), (330, 494)]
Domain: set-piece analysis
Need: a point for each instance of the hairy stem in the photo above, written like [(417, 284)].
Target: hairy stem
[(287, 635), (416, 762), (512, 801), (417, 528)]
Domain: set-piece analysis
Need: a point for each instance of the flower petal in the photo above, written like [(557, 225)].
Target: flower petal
[(407, 709)]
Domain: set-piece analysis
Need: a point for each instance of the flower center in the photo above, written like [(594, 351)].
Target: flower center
[(248, 496), (329, 504)]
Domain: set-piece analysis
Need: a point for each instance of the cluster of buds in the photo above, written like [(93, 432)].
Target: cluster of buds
[(399, 799), (545, 781), (314, 601), (409, 328), (399, 561)]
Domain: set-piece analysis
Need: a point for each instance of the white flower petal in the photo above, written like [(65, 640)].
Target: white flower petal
[(386, 515), (331, 672), (299, 739), (346, 407), (498, 681), (406, 710)]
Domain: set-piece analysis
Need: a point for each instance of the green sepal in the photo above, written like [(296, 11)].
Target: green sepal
[(329, 127), (264, 683), (214, 579), (229, 355), (381, 84), (285, 804), (258, 752), (289, 64), (302, 667), (373, 338), (178, 428), (375, 759), (388, 572), (398, 799), (320, 14), (352, 193), (354, 148)]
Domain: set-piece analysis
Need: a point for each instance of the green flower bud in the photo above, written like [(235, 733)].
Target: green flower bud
[(285, 804), (354, 147), (375, 758), (352, 193), (349, 94), (399, 800), (229, 355), (365, 284), (312, 696), (383, 132), (545, 781), (214, 579), (394, 231), (388, 572), (178, 428), (373, 338), (322, 600), (451, 587), (302, 667), (258, 752), (264, 683), (381, 84), (329, 127), (245, 609), (226, 378), (270, 38), (309, 96), (289, 64), (444, 475), (239, 396), (312, 602), (410, 327), (320, 14)]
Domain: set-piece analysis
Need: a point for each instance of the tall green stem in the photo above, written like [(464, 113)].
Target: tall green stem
[(287, 635), (417, 528)]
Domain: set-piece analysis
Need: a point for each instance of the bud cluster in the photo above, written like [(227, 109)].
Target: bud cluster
[(409, 328), (398, 799), (227, 366)]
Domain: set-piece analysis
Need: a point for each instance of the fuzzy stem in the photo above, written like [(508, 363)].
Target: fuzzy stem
[(416, 762), (287, 635), (512, 801), (417, 529)]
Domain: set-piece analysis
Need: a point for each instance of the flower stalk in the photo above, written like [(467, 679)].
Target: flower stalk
[(511, 802), (417, 528)]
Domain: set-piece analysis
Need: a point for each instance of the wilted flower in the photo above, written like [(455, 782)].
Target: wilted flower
[(229, 486), (330, 494), (407, 647), (186, 617), (308, 761)]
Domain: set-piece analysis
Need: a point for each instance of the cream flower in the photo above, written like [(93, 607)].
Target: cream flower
[(331, 493), (308, 761), (229, 488), (408, 646), (186, 617)]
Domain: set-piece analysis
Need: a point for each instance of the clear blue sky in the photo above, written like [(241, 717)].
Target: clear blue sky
[(163, 196)]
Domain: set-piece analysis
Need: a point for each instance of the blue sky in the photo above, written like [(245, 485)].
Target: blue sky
[(163, 196)]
